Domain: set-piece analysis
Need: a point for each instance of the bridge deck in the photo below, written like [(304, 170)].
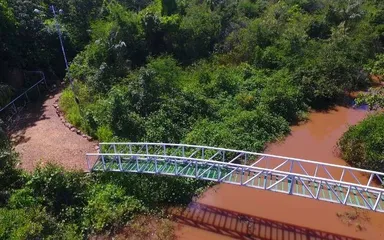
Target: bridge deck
[(289, 176)]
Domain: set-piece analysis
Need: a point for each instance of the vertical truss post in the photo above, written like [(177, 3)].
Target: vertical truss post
[(265, 180), (183, 151), (175, 166), (241, 177), (88, 165), (38, 89), (103, 161), (137, 163), (196, 172), (292, 179), (223, 154), (14, 107), (45, 81), (118, 157), (120, 165), (164, 150), (202, 153), (156, 168)]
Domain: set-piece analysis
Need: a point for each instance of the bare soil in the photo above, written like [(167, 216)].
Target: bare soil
[(40, 136)]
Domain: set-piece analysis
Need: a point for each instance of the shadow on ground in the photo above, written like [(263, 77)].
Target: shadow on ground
[(242, 226), (32, 113)]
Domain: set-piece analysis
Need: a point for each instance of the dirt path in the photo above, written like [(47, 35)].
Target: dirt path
[(40, 135)]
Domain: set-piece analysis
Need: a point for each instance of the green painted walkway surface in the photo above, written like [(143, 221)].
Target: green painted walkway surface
[(213, 172)]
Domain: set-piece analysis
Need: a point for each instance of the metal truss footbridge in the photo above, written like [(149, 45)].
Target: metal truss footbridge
[(304, 178)]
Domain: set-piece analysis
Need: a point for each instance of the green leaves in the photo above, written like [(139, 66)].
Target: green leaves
[(108, 208), (25, 223), (363, 144), (10, 176)]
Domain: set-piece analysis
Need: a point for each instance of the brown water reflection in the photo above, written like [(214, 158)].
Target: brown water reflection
[(315, 140)]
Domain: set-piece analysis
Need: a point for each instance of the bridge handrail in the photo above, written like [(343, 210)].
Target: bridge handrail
[(250, 153), (235, 165), (34, 85)]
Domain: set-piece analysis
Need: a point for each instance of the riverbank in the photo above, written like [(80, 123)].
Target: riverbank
[(233, 212)]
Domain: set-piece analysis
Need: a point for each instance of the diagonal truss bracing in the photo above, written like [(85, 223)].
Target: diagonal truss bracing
[(326, 182)]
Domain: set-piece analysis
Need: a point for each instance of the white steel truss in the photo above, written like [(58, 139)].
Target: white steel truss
[(326, 182)]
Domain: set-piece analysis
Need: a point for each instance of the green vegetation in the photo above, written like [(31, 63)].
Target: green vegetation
[(225, 73), (228, 74), (53, 203), (363, 146), (232, 74)]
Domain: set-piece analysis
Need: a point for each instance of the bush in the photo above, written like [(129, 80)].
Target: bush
[(10, 176), (108, 208), (362, 145), (69, 107), (155, 191), (104, 134), (62, 192), (243, 130), (26, 223)]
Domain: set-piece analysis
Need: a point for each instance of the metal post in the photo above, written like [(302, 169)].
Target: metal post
[(14, 107), (38, 89), (156, 169), (64, 54), (89, 166), (103, 161)]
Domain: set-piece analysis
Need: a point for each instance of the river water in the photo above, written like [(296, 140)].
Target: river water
[(233, 212)]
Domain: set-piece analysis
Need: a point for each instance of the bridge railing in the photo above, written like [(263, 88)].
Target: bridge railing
[(266, 161), (9, 111), (273, 179)]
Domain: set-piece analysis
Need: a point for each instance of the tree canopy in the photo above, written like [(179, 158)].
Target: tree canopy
[(228, 73)]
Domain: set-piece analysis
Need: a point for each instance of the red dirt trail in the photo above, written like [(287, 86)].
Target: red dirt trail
[(40, 136), (232, 212)]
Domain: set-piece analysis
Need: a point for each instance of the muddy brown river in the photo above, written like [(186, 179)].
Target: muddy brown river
[(233, 212)]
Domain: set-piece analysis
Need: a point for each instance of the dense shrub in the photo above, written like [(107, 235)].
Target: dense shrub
[(154, 190), (233, 74), (108, 208), (59, 190), (362, 145), (54, 203), (10, 176), (27, 223)]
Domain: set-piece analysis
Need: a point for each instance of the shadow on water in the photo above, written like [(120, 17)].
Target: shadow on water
[(243, 226)]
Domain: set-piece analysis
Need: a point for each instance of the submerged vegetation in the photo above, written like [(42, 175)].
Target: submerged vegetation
[(233, 74)]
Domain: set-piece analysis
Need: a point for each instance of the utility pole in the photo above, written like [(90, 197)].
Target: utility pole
[(63, 50)]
